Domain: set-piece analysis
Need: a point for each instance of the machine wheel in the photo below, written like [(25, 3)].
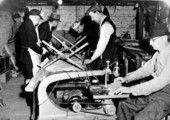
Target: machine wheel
[(76, 107)]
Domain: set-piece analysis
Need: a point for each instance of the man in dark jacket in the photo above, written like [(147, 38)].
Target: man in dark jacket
[(29, 42), (30, 51), (45, 29)]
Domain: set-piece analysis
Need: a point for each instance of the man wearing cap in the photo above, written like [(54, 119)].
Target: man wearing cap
[(105, 46), (28, 42), (30, 48), (151, 99), (45, 29)]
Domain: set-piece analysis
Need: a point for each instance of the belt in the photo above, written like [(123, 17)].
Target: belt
[(24, 47)]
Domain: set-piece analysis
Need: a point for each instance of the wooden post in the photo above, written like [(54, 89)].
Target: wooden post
[(139, 22)]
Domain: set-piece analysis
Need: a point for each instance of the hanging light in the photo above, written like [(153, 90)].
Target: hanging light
[(1, 1), (167, 2), (60, 2)]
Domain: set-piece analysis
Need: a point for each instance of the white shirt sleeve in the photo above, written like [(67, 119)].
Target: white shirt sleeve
[(155, 84), (106, 31)]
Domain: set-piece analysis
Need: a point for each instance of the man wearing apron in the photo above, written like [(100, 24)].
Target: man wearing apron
[(29, 44), (30, 49)]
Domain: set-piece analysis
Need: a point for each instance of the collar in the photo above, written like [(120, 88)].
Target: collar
[(102, 20), (50, 25)]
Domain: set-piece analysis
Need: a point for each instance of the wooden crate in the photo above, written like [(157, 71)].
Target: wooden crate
[(5, 77), (4, 64), (5, 73)]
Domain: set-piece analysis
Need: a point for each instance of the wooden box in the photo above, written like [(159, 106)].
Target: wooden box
[(5, 77), (5, 73), (4, 64)]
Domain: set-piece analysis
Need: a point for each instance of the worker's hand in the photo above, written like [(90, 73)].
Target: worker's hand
[(44, 50), (114, 86), (120, 79), (87, 61), (123, 90), (75, 25)]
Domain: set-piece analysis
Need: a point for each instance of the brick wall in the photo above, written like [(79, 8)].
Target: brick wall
[(122, 16)]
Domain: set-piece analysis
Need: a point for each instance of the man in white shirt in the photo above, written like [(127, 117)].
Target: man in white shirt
[(105, 46), (151, 99)]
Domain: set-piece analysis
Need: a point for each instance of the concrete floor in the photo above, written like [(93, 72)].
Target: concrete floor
[(16, 107)]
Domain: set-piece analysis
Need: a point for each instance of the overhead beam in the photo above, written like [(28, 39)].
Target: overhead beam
[(84, 2)]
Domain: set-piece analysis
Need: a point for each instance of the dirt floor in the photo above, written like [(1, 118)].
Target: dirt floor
[(16, 107)]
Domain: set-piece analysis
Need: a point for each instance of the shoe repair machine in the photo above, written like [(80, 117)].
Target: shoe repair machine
[(64, 90)]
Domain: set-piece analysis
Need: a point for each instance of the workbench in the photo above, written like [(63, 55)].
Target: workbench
[(130, 55)]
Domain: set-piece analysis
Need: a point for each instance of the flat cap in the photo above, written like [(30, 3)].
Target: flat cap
[(94, 8), (16, 15), (55, 16), (158, 30), (35, 12)]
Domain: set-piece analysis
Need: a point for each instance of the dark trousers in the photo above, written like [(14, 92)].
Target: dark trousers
[(27, 70), (153, 107), (28, 74)]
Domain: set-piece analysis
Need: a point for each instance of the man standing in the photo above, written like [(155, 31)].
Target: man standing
[(151, 99), (15, 30), (29, 44), (46, 28), (105, 46), (30, 49)]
